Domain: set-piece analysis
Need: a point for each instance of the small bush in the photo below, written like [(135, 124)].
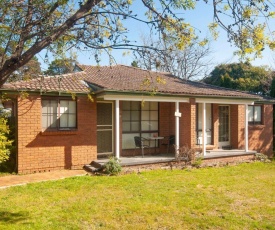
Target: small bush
[(112, 167), (5, 143), (261, 157), (186, 154), (197, 162)]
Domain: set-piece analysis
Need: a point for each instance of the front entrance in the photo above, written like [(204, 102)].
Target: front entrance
[(208, 124), (224, 126), (104, 128)]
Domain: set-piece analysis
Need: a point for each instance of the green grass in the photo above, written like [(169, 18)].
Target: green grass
[(5, 174), (239, 197)]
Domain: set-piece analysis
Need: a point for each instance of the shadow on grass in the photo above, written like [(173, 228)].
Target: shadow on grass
[(13, 217)]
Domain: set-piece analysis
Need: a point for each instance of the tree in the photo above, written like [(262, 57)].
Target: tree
[(29, 26), (60, 66), (27, 72), (5, 143), (190, 63), (272, 88), (242, 76)]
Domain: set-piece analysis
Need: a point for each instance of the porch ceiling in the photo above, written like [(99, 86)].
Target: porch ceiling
[(162, 98)]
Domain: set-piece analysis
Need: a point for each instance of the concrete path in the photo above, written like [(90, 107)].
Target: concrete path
[(15, 180)]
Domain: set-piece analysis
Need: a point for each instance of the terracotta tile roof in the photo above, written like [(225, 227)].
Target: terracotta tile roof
[(125, 79), (73, 82)]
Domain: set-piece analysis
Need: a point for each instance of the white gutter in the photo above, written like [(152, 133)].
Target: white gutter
[(144, 98), (225, 101)]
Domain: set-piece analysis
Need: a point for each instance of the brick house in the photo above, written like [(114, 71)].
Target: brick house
[(58, 126)]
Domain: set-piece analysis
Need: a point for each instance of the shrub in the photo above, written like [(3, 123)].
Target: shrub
[(186, 154), (112, 167), (197, 162), (261, 157), (5, 143)]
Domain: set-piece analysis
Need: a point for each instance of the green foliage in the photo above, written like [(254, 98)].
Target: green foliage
[(27, 72), (112, 167), (5, 143), (60, 66), (261, 157), (272, 90), (241, 76), (28, 27), (7, 140), (197, 162), (134, 64)]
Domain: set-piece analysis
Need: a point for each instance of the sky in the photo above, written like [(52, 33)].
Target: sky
[(199, 18)]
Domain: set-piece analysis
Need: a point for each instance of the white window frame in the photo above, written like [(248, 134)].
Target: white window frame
[(253, 116), (58, 115)]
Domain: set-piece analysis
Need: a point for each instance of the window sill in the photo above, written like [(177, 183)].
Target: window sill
[(256, 127), (58, 132)]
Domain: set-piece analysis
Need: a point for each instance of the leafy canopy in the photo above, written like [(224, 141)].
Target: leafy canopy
[(272, 92), (5, 143), (60, 66), (242, 76), (27, 72), (29, 26)]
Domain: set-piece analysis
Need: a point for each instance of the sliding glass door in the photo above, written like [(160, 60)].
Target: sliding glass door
[(224, 126)]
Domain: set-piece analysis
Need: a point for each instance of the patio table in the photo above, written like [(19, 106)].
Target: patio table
[(155, 139)]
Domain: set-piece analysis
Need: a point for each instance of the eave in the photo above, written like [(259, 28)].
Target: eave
[(139, 96)]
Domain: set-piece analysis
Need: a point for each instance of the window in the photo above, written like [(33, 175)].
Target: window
[(138, 120), (58, 114), (255, 114)]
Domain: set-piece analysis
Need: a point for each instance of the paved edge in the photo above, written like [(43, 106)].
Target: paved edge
[(37, 180)]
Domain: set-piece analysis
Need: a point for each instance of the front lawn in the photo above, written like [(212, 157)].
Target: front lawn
[(236, 197)]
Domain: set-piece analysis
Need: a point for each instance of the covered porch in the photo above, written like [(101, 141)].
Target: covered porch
[(207, 125)]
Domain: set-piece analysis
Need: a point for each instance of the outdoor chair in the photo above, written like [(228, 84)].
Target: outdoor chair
[(139, 143), (169, 141)]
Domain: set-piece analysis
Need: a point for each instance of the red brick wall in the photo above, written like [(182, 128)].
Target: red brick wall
[(187, 121), (237, 115), (166, 121), (38, 152), (227, 160), (188, 124), (261, 136)]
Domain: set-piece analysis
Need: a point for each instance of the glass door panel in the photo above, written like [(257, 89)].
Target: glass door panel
[(208, 124), (105, 127), (224, 128)]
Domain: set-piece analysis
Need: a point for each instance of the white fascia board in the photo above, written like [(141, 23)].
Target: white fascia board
[(144, 98), (225, 101)]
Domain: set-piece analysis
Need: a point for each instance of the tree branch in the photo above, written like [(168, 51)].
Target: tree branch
[(15, 62)]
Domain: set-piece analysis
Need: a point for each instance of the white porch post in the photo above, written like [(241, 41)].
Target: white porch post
[(177, 142), (203, 129), (117, 133), (246, 127)]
